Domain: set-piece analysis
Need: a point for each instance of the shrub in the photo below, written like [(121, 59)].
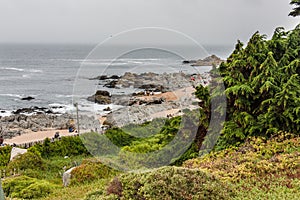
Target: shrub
[(168, 183), (258, 157), (27, 161), (66, 146), (27, 188), (90, 170), (4, 155)]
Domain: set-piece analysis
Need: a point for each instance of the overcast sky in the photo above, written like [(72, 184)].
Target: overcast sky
[(92, 21)]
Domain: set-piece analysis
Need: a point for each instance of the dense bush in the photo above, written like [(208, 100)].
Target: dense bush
[(4, 155), (27, 188), (90, 170), (262, 85), (167, 183), (27, 161), (66, 146)]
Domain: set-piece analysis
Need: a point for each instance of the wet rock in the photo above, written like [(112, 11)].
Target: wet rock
[(114, 77), (29, 98), (189, 61), (101, 97), (105, 77), (107, 109), (111, 84)]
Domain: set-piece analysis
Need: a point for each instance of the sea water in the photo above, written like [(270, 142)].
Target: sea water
[(48, 73)]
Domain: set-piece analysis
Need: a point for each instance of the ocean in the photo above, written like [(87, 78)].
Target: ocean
[(53, 74)]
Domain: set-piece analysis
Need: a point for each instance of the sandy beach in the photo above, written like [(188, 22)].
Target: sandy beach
[(37, 136)]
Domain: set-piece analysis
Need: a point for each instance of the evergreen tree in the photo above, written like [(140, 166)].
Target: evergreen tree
[(262, 87), (296, 11)]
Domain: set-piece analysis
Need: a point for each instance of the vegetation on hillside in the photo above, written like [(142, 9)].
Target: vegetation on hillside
[(256, 156), (165, 183), (259, 169), (262, 82)]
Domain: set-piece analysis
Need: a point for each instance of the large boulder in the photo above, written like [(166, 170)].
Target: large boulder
[(101, 97), (16, 151), (67, 177)]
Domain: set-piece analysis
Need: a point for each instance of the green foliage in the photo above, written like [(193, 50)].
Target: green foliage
[(257, 157), (119, 138), (66, 146), (27, 161), (263, 87), (91, 170), (296, 10), (167, 183), (4, 155), (261, 168), (27, 188)]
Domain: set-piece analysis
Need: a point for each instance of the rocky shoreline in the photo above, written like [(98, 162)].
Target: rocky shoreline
[(159, 95), (18, 124)]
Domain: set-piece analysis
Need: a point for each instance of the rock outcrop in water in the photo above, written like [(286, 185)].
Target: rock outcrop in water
[(208, 61), (29, 98), (150, 81)]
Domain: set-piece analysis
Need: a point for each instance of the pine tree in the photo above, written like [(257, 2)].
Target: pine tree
[(296, 11), (262, 87)]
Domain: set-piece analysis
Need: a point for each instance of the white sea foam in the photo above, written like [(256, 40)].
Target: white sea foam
[(61, 108), (11, 95), (5, 113), (22, 69), (13, 69)]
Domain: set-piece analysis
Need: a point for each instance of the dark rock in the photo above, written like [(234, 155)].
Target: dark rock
[(23, 110), (102, 93), (138, 94), (105, 77), (152, 101), (153, 87), (188, 61), (107, 109), (111, 84), (101, 97), (29, 98), (49, 112), (114, 77)]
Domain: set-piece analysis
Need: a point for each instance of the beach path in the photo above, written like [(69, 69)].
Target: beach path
[(37, 136)]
